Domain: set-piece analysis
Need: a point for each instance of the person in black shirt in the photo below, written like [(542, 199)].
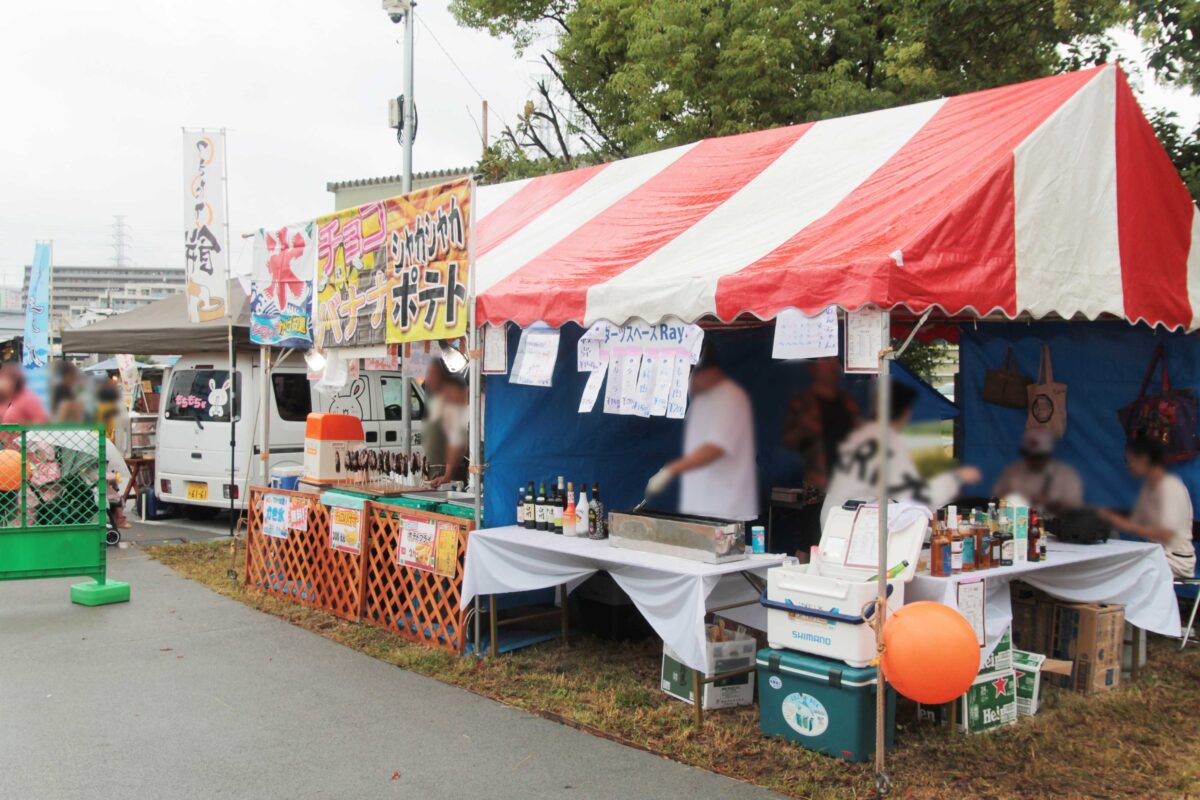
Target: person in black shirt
[(818, 419)]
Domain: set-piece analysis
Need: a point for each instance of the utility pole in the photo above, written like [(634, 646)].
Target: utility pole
[(402, 11)]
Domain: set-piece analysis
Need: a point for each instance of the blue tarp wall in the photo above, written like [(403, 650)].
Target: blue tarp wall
[(534, 433), (1102, 364)]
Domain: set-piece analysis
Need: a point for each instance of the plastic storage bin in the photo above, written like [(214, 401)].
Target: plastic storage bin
[(287, 478), (825, 608), (820, 704)]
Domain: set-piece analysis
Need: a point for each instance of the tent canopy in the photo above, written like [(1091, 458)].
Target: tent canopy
[(162, 328), (1046, 198)]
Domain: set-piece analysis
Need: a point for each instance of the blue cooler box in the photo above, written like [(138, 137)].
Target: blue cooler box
[(824, 705)]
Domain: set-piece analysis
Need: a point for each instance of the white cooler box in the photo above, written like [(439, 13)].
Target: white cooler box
[(818, 608)]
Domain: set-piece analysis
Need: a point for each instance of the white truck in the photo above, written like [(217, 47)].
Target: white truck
[(192, 459)]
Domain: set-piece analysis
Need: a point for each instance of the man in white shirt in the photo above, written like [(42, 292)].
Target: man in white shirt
[(1163, 512), (854, 476), (717, 474)]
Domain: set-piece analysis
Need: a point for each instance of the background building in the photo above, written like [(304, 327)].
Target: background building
[(85, 291), (347, 194)]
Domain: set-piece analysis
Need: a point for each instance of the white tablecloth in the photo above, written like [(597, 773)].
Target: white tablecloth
[(1134, 574), (672, 593)]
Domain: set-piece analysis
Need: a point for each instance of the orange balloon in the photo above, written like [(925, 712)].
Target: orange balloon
[(10, 470), (930, 652)]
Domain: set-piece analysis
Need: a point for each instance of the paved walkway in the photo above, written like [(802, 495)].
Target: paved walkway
[(184, 694)]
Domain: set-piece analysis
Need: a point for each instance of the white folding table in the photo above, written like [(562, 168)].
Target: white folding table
[(673, 594), (1133, 574)]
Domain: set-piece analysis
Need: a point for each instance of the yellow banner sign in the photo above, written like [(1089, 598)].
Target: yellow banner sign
[(428, 260)]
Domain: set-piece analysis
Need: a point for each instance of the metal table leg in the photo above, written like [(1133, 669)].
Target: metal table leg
[(566, 616), (494, 645)]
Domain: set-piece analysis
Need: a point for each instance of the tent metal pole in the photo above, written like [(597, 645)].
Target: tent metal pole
[(475, 454), (264, 468), (883, 401)]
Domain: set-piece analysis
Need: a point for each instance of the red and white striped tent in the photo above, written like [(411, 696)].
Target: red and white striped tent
[(1046, 198)]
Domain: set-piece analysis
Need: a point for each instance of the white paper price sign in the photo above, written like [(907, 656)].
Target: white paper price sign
[(647, 366), (864, 340), (800, 336), (537, 353)]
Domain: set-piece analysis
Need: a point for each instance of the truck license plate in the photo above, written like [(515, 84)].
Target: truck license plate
[(197, 491)]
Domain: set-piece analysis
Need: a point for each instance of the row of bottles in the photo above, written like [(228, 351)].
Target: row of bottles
[(983, 540), (561, 511)]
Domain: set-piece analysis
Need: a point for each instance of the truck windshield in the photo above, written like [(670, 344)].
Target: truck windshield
[(203, 394)]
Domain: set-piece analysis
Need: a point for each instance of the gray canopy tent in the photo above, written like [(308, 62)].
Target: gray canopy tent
[(162, 328)]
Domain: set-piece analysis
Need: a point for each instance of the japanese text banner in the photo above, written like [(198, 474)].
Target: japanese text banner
[(428, 254), (281, 288), (205, 258), (351, 279)]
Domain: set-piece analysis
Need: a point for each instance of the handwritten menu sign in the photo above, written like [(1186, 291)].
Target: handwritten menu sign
[(537, 353), (864, 339), (647, 366), (800, 336)]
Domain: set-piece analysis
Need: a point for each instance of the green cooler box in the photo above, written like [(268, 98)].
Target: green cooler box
[(824, 705)]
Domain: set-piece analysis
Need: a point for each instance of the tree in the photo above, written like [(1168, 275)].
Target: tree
[(1183, 147), (630, 76)]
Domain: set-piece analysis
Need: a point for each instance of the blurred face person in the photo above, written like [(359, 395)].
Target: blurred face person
[(10, 382), (826, 373)]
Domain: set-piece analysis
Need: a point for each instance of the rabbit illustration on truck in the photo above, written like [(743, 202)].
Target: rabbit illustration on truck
[(217, 398)]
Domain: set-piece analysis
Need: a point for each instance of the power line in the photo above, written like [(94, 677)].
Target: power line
[(461, 72)]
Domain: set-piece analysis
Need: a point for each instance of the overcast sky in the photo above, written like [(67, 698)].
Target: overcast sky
[(95, 95)]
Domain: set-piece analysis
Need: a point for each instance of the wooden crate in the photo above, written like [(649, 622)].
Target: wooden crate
[(419, 605)]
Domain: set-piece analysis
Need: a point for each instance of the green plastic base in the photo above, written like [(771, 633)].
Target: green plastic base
[(99, 594)]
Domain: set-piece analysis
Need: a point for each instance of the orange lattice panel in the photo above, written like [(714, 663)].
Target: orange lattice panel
[(303, 567), (417, 604)]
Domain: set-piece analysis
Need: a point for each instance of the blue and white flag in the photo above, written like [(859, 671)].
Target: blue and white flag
[(36, 356)]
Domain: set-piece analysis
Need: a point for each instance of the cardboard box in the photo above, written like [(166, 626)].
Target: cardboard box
[(737, 652), (990, 703), (1001, 659), (1033, 618), (1091, 636), (1029, 668)]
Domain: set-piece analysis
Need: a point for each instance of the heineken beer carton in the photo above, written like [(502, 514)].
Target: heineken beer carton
[(1001, 658), (990, 703), (1028, 668)]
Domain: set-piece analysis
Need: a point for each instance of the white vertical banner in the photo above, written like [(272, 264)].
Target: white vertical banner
[(127, 369), (204, 222)]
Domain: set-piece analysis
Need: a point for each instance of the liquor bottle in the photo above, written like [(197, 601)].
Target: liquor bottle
[(582, 512), (596, 527), (1031, 551), (542, 507), (1041, 541), (983, 541), (968, 537), (530, 507), (1006, 542), (935, 546), (945, 559), (556, 508), (568, 524), (521, 505), (956, 551)]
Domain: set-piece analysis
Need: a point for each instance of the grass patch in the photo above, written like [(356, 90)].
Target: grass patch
[(1141, 741)]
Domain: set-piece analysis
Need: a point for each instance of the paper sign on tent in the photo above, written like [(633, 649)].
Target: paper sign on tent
[(800, 336), (537, 353), (591, 390), (630, 366), (612, 390), (677, 397), (664, 374)]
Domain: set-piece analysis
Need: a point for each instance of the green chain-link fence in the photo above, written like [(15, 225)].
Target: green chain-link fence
[(53, 499)]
